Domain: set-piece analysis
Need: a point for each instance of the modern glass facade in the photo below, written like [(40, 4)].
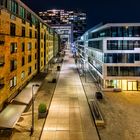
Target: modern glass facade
[(121, 57), (114, 55), (123, 44), (121, 31), (123, 71), (95, 44)]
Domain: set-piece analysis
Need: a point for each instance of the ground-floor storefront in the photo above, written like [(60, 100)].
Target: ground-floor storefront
[(127, 85), (114, 83)]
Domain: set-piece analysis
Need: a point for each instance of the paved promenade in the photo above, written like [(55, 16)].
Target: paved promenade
[(69, 115)]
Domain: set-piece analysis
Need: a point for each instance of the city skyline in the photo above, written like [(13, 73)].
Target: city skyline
[(97, 11)]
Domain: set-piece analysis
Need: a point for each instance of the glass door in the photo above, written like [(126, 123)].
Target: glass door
[(130, 85), (124, 84), (135, 85)]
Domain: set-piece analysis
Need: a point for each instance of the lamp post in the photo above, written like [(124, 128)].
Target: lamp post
[(32, 127)]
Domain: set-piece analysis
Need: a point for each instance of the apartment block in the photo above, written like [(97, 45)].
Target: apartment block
[(26, 47)]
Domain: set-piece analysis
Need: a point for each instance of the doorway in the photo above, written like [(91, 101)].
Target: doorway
[(132, 85)]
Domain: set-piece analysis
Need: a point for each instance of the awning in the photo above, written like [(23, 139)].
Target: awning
[(10, 115), (25, 96)]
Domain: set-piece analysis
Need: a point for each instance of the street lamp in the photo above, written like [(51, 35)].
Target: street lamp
[(32, 127)]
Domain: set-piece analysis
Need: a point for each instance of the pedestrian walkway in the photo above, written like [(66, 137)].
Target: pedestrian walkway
[(69, 115)]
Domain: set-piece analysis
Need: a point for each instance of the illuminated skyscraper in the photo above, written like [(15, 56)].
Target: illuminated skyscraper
[(61, 17)]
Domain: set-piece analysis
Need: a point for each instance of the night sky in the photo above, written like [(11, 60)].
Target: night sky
[(97, 10)]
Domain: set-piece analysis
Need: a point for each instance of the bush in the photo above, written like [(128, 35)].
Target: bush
[(42, 108)]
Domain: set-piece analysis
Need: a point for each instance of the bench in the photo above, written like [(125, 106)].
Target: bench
[(99, 121)]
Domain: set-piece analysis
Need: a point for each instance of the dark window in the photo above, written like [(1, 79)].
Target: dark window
[(29, 58), (41, 63), (130, 45), (23, 47), (23, 31), (35, 34), (35, 45), (120, 31), (28, 16), (114, 57), (1, 42), (114, 32), (131, 71), (130, 58), (125, 32), (30, 33), (136, 31), (13, 65), (41, 45), (35, 55), (137, 71), (120, 44), (114, 44), (109, 45), (136, 44), (22, 12), (124, 71), (130, 31), (137, 57), (1, 83), (41, 35), (35, 66), (13, 6), (1, 2), (29, 70), (112, 71), (13, 48), (125, 45), (12, 29), (23, 61), (41, 54), (95, 44)]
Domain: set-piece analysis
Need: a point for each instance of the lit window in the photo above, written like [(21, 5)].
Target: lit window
[(22, 75)]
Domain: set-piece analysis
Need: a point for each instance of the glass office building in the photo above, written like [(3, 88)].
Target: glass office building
[(114, 55)]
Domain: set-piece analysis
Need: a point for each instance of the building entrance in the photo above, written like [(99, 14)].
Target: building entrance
[(126, 85), (129, 85), (132, 85)]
